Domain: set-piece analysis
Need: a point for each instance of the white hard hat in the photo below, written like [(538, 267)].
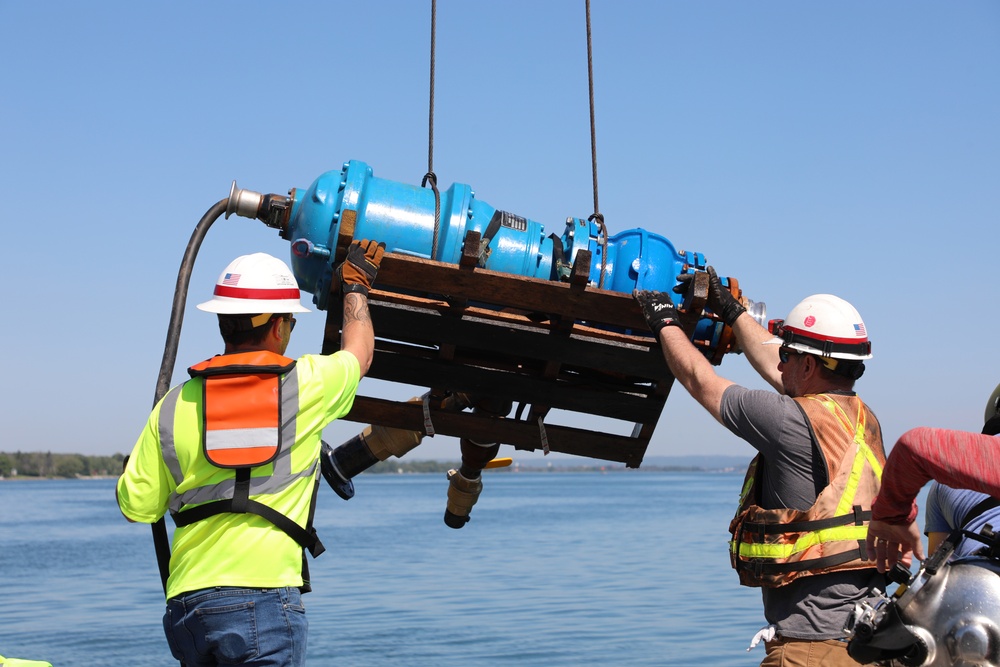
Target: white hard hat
[(824, 325), (252, 284)]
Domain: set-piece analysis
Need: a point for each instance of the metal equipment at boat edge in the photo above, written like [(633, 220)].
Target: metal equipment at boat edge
[(946, 615)]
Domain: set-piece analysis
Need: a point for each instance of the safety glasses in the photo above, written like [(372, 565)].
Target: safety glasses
[(785, 353), (288, 318)]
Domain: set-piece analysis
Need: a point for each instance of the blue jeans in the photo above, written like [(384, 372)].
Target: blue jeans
[(237, 626)]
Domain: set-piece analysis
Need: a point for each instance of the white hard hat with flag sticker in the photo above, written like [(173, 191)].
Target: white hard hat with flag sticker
[(825, 325), (257, 283)]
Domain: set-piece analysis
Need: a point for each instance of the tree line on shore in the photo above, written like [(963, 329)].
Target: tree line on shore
[(49, 464)]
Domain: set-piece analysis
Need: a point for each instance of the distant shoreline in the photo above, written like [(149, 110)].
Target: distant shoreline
[(47, 465), (392, 468)]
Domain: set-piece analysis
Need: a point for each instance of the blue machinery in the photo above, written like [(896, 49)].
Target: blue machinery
[(481, 302)]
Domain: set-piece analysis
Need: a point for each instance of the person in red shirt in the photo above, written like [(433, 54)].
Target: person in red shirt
[(956, 458)]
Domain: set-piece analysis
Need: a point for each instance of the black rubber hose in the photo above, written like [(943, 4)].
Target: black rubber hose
[(160, 541), (180, 298)]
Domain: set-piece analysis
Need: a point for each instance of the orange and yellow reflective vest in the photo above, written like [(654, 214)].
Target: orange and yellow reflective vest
[(772, 547)]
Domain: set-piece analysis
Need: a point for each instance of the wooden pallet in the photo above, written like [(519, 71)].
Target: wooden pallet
[(540, 344)]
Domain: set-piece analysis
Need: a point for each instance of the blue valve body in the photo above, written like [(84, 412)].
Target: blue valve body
[(402, 216)]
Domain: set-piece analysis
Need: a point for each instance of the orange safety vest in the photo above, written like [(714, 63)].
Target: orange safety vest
[(242, 407), (774, 547), (242, 403)]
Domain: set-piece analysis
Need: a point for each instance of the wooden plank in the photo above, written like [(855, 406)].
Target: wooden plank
[(512, 316), (429, 328), (520, 434), (632, 403), (415, 274)]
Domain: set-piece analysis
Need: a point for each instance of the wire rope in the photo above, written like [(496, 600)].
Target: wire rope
[(430, 176), (597, 216)]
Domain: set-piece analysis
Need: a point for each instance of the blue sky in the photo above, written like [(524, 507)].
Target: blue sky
[(845, 147)]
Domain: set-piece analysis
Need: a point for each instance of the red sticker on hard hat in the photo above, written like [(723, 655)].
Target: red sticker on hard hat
[(809, 321)]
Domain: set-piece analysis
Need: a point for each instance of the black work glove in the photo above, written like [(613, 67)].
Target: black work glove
[(720, 300), (658, 310), (360, 267)]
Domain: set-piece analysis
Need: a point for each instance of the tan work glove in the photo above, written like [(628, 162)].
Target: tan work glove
[(360, 267)]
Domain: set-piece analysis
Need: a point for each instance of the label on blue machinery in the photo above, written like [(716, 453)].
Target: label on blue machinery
[(511, 221)]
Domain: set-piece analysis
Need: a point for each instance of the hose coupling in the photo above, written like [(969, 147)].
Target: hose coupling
[(273, 210), (339, 480), (462, 496)]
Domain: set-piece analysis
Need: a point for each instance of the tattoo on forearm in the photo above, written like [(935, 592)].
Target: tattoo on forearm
[(355, 308)]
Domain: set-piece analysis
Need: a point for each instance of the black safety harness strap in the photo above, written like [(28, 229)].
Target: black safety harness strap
[(484, 242), (241, 503), (984, 505), (763, 567), (306, 579), (857, 517)]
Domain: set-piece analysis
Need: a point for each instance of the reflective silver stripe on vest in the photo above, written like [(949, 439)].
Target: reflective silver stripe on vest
[(241, 438), (280, 479), (168, 408)]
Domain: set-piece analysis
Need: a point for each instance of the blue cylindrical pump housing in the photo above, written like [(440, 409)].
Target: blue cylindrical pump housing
[(402, 216)]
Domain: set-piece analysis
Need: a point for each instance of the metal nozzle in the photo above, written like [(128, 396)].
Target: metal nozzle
[(758, 311), (244, 203)]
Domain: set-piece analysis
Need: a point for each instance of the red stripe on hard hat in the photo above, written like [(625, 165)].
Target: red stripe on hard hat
[(244, 293), (833, 339)]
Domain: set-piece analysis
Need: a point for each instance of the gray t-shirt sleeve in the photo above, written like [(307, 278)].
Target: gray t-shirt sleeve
[(775, 426)]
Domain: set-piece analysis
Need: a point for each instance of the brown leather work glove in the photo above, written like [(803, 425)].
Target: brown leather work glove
[(360, 267)]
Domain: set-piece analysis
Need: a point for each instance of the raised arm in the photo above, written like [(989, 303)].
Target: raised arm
[(750, 336), (764, 358), (358, 336), (357, 274), (687, 364)]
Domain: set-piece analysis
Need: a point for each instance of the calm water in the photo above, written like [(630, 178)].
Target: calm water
[(554, 569)]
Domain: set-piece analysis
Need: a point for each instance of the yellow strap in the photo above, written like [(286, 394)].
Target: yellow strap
[(845, 421), (748, 482), (862, 454), (807, 540)]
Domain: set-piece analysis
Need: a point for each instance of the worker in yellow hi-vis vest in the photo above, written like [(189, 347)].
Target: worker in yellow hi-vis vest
[(233, 455)]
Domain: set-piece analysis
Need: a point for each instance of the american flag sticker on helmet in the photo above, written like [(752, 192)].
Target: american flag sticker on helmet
[(859, 330)]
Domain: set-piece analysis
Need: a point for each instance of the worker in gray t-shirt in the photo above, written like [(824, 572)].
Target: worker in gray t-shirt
[(800, 528)]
